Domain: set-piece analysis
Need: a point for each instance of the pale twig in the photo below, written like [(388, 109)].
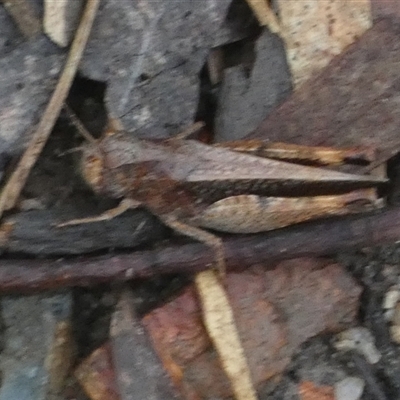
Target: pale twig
[(13, 187)]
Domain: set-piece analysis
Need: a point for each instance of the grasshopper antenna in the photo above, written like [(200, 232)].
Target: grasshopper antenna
[(79, 125), (193, 129)]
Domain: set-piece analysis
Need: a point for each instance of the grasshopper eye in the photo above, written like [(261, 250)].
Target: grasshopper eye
[(92, 171)]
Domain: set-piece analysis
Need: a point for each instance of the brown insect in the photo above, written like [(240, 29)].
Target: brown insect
[(231, 187)]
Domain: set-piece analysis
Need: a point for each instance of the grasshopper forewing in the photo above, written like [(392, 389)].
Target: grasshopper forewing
[(190, 185)]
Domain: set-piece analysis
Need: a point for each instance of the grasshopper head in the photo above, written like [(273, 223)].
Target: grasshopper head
[(92, 170), (99, 177), (120, 165)]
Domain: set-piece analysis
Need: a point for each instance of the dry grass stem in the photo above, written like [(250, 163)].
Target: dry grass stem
[(13, 187)]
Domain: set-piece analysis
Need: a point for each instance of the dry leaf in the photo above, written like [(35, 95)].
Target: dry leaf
[(352, 102), (265, 14), (62, 356), (220, 324), (270, 328), (316, 31)]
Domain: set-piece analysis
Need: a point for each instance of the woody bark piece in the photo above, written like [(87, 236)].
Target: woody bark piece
[(308, 239), (270, 329), (353, 102), (315, 31), (34, 233)]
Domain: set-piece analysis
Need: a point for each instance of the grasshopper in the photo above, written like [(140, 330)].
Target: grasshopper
[(194, 187)]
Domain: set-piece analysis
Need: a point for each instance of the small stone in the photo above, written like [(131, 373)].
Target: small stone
[(396, 315), (31, 204), (392, 296), (361, 340), (350, 388), (389, 302), (395, 333)]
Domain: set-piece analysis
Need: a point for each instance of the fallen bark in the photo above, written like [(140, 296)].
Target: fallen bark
[(324, 237), (35, 233)]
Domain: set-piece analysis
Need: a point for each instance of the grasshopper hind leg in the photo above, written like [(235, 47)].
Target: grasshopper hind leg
[(202, 236)]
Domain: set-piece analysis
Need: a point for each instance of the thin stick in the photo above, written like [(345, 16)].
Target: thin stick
[(309, 239), (13, 187)]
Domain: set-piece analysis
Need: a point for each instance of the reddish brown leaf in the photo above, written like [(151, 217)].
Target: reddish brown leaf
[(270, 326), (388, 8), (353, 102), (96, 375)]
